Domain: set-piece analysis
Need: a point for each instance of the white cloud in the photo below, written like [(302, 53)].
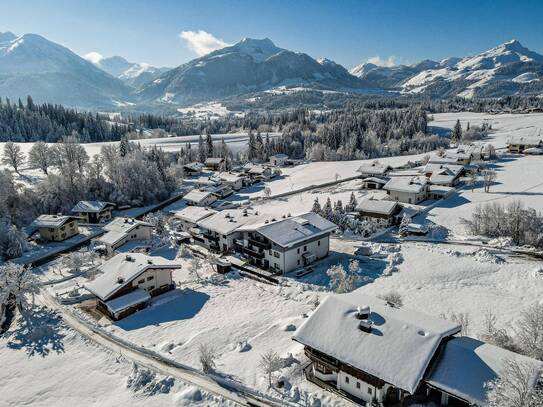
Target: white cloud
[(93, 57), (377, 60), (201, 42)]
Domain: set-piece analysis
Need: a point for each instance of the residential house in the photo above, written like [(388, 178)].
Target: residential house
[(451, 158), (278, 160), (199, 198), (123, 230), (410, 190), (258, 172), (440, 191), (286, 244), (220, 191), (235, 180), (194, 168), (379, 211), (373, 183), (202, 182), (55, 228), (93, 211), (517, 144), (370, 350), (220, 230), (191, 215), (128, 281), (215, 163), (374, 169), (444, 174)]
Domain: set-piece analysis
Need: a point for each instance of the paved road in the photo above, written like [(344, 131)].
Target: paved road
[(221, 388)]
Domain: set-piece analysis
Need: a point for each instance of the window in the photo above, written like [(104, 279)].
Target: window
[(150, 278), (346, 379), (370, 391), (298, 250), (275, 254), (358, 385), (141, 281), (305, 248), (270, 252), (319, 243), (298, 262)]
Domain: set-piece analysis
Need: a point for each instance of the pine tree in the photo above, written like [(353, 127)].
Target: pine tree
[(327, 211), (316, 206), (457, 132), (351, 206), (209, 144), (202, 152)]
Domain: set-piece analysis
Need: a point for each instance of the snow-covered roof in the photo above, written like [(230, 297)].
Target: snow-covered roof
[(525, 140), (449, 159), (196, 196), (376, 180), (289, 231), (374, 169), (122, 269), (450, 169), (441, 179), (279, 156), (441, 189), (133, 245), (131, 299), (193, 214), (119, 228), (230, 176), (208, 181), (91, 206), (258, 169), (214, 160), (398, 349), (229, 220), (406, 184), (51, 221), (194, 166), (466, 364), (376, 206), (534, 150)]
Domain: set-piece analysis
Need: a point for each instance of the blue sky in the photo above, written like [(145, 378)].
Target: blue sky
[(347, 31)]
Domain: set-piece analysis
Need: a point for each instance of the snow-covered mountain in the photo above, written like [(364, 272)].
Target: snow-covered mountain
[(132, 73), (507, 69), (248, 66), (33, 65)]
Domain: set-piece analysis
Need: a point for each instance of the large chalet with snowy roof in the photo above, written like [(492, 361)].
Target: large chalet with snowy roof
[(93, 211), (128, 281), (368, 350)]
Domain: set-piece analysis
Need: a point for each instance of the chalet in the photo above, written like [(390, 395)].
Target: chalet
[(286, 244), (451, 158), (220, 191), (378, 211), (215, 163), (93, 211), (373, 183), (258, 172), (220, 230), (410, 190), (520, 143), (370, 350), (128, 282), (443, 174), (194, 168), (123, 230), (278, 160), (191, 215), (202, 182), (235, 180), (197, 197), (374, 169), (440, 191), (55, 228)]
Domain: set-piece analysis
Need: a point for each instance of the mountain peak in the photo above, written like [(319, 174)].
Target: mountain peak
[(7, 36), (258, 49), (264, 42)]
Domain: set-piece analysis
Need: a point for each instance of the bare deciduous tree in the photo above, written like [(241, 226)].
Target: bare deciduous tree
[(38, 156), (270, 362), (13, 156), (17, 283), (207, 355), (529, 332), (394, 298)]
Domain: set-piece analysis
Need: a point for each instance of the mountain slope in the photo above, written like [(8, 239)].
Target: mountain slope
[(248, 66), (132, 73), (33, 65)]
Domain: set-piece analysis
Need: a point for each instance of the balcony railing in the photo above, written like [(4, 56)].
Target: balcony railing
[(209, 236), (254, 253), (259, 243)]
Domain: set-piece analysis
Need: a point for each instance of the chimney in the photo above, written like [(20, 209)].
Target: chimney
[(149, 261), (363, 312), (120, 280), (129, 258)]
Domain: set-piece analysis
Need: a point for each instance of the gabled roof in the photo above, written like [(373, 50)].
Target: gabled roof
[(230, 176), (194, 214), (398, 349), (374, 168), (119, 228), (406, 184), (214, 160), (289, 231), (194, 166), (376, 180), (450, 169), (121, 269), (377, 206), (258, 169), (525, 140), (52, 221), (229, 220), (196, 195), (91, 206), (467, 364)]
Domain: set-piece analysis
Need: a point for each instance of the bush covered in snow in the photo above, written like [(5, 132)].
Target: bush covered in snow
[(146, 382)]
